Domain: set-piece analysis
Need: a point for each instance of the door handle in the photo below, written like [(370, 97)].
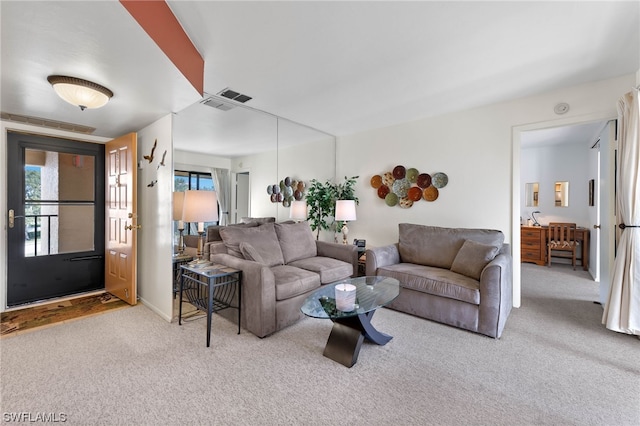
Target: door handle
[(11, 218), (130, 227), (596, 226)]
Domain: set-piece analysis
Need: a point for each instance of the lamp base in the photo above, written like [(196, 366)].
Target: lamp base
[(345, 231)]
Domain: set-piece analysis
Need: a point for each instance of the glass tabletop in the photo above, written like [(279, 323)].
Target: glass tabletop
[(371, 294)]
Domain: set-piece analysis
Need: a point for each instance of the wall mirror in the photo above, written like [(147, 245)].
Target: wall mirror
[(561, 194), (257, 146), (531, 194)]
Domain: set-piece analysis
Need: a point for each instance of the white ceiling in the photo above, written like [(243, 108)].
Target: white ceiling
[(341, 67)]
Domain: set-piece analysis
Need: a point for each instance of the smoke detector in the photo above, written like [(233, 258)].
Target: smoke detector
[(561, 108)]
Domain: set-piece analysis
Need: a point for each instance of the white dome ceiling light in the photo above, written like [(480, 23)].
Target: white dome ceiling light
[(79, 92)]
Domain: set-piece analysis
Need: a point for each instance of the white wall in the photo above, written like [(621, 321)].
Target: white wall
[(155, 238), (550, 164), (479, 149)]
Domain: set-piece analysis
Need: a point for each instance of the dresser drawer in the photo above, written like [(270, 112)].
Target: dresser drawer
[(530, 234), (529, 254), (530, 244)]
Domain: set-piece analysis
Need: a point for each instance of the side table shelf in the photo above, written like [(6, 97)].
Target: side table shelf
[(210, 289)]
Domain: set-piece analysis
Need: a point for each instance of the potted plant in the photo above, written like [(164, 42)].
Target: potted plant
[(321, 200)]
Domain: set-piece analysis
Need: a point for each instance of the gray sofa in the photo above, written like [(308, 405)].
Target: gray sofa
[(460, 277), (281, 265)]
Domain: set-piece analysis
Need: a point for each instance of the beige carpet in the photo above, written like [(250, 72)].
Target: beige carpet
[(555, 365)]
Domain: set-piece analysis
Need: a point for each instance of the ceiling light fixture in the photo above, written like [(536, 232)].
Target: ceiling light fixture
[(79, 92)]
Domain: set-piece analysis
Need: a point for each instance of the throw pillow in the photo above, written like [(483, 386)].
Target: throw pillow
[(472, 258), (263, 238), (250, 253), (296, 241)]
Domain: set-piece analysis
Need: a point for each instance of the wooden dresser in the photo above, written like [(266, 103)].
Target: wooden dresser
[(533, 245)]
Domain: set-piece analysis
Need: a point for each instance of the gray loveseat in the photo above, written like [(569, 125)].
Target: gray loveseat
[(281, 265), (456, 276)]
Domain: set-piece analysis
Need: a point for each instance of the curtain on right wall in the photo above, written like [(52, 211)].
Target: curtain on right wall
[(622, 309)]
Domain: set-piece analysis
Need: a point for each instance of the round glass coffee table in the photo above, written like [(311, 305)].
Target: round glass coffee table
[(351, 328)]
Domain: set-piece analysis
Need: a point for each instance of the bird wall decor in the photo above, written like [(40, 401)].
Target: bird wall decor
[(149, 157)]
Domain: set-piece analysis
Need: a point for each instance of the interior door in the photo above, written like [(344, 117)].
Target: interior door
[(605, 194), (55, 232), (121, 218), (242, 196)]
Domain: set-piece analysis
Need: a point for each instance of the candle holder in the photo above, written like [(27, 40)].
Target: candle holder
[(345, 297)]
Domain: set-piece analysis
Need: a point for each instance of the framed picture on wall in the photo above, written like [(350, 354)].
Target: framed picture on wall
[(591, 189)]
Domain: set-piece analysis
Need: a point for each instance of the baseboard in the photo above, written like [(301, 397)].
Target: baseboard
[(154, 309)]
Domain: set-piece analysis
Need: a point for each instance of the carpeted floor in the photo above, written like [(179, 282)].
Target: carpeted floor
[(18, 321), (555, 364)]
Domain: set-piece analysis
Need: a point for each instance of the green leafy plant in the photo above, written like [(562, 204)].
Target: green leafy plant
[(321, 200)]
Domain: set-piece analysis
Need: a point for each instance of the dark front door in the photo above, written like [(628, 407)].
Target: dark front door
[(55, 230)]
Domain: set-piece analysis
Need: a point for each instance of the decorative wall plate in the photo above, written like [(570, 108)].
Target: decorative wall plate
[(439, 180), (399, 172), (423, 180), (430, 194)]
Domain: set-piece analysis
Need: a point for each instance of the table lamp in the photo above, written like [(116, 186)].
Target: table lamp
[(298, 210), (178, 203), (345, 210), (200, 207)]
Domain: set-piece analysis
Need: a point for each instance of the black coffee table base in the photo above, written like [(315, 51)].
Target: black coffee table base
[(347, 335)]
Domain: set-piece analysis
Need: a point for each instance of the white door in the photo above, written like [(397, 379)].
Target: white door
[(605, 195)]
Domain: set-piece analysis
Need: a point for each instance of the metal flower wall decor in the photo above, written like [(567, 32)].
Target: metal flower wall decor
[(286, 191), (403, 187)]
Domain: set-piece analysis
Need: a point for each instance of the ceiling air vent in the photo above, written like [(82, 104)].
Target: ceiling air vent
[(236, 96), (215, 103), (52, 124)]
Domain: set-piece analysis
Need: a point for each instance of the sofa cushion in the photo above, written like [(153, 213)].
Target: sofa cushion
[(436, 281), (296, 241), (263, 238), (472, 258), (258, 220), (328, 269), (435, 246), (250, 253), (292, 281), (213, 231)]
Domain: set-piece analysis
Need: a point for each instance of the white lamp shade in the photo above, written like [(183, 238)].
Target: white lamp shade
[(298, 210), (345, 210), (200, 206), (178, 203)]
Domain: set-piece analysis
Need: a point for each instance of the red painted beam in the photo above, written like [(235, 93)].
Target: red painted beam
[(160, 23)]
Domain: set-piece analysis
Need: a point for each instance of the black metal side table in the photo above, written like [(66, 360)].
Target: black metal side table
[(179, 260), (210, 288)]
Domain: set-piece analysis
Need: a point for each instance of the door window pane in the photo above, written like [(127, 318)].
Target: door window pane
[(59, 202)]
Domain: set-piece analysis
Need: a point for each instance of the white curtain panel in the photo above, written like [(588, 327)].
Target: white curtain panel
[(221, 184), (622, 310)]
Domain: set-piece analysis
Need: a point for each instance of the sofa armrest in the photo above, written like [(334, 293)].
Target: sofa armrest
[(345, 252), (213, 247), (496, 295), (258, 293), (378, 257)]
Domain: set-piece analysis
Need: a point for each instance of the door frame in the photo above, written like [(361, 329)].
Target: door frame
[(516, 146), (5, 127)]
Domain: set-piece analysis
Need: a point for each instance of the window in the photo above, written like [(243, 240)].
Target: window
[(185, 180)]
